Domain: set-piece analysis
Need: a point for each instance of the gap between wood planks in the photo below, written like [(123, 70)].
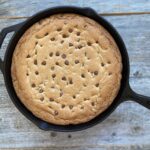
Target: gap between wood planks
[(102, 14)]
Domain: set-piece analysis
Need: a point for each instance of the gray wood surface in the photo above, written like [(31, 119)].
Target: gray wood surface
[(22, 8), (127, 127)]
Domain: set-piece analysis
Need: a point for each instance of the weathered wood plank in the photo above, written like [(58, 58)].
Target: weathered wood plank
[(121, 128), (16, 121), (135, 32), (27, 7), (132, 147), (127, 127)]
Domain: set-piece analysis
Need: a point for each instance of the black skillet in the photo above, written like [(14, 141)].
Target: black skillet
[(125, 91)]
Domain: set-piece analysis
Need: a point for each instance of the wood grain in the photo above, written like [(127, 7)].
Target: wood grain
[(135, 33), (128, 126), (28, 7)]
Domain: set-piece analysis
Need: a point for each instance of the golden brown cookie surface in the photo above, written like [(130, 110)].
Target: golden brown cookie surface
[(66, 69)]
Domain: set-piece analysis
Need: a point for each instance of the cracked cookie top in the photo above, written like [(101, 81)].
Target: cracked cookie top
[(66, 69)]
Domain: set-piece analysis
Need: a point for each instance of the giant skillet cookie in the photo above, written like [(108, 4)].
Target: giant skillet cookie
[(66, 69)]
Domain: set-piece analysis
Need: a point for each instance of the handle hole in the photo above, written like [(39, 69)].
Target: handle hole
[(4, 44)]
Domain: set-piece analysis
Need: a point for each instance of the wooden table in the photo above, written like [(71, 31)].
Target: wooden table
[(129, 126)]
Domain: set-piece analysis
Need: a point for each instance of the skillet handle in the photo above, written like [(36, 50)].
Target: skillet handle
[(141, 99), (3, 34)]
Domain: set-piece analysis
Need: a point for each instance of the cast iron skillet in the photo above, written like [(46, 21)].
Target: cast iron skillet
[(125, 91)]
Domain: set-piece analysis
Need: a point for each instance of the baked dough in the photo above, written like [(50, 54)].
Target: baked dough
[(66, 69)]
